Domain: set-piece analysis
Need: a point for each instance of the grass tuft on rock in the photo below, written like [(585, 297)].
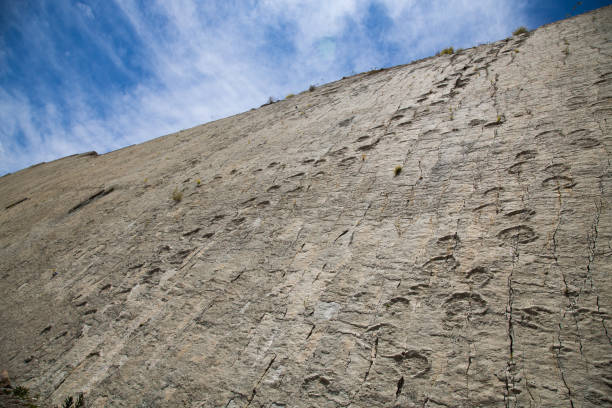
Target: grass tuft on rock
[(520, 30), (21, 392)]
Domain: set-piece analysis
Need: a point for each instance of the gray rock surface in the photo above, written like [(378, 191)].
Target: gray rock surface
[(300, 271)]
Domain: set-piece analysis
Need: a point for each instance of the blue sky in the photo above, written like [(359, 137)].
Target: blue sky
[(100, 75)]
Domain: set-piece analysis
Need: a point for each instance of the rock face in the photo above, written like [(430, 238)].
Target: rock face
[(300, 268)]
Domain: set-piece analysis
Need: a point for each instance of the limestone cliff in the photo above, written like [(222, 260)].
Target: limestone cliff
[(300, 268)]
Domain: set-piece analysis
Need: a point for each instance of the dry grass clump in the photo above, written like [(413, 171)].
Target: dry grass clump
[(520, 30)]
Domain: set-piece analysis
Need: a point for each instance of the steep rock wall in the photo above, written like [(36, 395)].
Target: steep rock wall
[(300, 270)]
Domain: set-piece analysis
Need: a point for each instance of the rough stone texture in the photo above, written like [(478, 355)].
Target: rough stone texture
[(301, 272)]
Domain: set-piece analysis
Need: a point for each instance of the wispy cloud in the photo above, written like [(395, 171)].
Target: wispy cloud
[(85, 9), (99, 76)]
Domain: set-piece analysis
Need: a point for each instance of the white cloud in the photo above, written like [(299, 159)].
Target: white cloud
[(85, 9), (206, 61)]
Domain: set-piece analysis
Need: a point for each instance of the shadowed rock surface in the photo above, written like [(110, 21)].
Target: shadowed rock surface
[(301, 271)]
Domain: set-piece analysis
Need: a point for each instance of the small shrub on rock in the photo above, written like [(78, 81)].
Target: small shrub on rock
[(520, 30)]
